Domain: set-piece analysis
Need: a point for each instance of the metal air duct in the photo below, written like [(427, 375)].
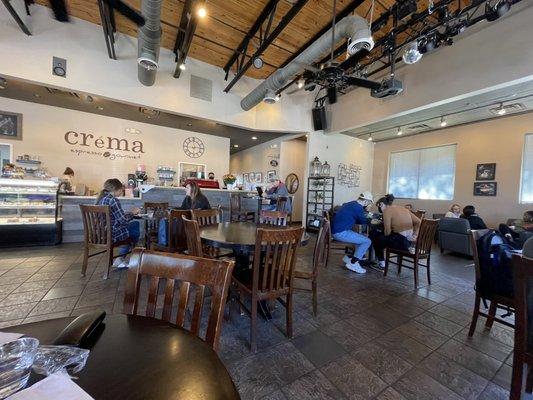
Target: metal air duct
[(149, 41), (353, 27)]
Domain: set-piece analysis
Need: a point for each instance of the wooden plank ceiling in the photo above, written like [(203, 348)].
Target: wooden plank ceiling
[(227, 22)]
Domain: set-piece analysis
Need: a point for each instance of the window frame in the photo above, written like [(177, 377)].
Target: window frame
[(11, 159), (524, 148), (417, 187)]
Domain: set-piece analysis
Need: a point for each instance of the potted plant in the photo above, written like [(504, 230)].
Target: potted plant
[(229, 179)]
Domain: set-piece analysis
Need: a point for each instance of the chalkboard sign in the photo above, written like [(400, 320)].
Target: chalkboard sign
[(10, 125)]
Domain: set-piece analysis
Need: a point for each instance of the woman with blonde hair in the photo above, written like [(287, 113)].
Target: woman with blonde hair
[(454, 212)]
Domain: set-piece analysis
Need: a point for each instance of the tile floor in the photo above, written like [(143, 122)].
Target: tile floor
[(373, 338)]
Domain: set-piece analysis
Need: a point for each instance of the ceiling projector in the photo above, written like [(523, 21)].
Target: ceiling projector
[(389, 87)]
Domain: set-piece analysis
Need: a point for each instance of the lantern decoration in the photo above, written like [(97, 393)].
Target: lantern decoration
[(316, 167), (326, 168)]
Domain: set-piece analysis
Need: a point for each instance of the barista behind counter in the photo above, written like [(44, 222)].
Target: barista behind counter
[(67, 186)]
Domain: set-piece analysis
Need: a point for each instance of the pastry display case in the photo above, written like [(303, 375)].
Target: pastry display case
[(29, 212)]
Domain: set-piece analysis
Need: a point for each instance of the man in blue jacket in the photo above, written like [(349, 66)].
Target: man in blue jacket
[(345, 218)]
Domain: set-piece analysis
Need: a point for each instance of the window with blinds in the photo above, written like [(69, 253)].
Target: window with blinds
[(526, 193), (423, 173)]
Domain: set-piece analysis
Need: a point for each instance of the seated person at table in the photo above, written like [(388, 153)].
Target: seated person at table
[(345, 218), (469, 213), (194, 198), (513, 232), (400, 228), (454, 212), (277, 190), (122, 226)]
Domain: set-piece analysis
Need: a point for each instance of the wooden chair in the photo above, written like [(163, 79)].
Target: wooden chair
[(333, 244), (159, 210), (177, 241), (523, 342), (496, 301), (179, 271), (281, 205), (272, 274), (420, 213), (98, 235), (424, 240), (320, 258), (273, 218), (235, 211), (207, 217), (194, 243)]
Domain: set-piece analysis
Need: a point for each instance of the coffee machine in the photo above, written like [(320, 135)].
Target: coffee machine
[(137, 179)]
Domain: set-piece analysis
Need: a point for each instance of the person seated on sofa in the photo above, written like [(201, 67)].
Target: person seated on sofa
[(514, 232), (475, 221), (345, 218), (400, 228), (454, 212)]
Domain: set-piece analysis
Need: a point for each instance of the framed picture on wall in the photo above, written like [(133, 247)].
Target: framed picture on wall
[(486, 172), (245, 178), (270, 174), (10, 125), (485, 188), (258, 177), (252, 177)]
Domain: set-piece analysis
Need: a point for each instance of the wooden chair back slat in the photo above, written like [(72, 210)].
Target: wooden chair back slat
[(207, 217), (426, 234), (273, 218), (279, 259), (194, 243), (189, 271), (281, 204), (320, 252), (177, 239), (235, 205), (96, 224)]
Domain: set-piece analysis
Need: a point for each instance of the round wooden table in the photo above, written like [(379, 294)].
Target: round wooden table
[(144, 358), (238, 236)]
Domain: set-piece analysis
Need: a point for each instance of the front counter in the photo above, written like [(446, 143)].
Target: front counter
[(73, 225)]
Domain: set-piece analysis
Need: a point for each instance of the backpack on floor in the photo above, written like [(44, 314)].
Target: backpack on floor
[(495, 265)]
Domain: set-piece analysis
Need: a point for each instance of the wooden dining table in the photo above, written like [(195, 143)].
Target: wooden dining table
[(143, 358)]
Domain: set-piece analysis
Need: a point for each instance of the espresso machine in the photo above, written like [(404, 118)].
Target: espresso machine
[(137, 179)]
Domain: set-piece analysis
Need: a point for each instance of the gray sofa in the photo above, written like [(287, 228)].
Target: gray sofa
[(454, 236)]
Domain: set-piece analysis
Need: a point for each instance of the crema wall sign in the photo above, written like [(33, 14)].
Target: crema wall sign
[(193, 147), (105, 146)]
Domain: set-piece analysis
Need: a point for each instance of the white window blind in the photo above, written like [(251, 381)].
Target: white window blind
[(423, 173), (526, 194)]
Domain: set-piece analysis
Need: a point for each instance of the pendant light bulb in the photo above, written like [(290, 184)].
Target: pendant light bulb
[(443, 122), (400, 132)]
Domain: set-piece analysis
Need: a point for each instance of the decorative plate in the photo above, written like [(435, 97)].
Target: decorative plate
[(193, 147)]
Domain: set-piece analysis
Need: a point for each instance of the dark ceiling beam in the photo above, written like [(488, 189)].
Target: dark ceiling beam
[(267, 41), (187, 27), (16, 17), (107, 17), (241, 49), (344, 13)]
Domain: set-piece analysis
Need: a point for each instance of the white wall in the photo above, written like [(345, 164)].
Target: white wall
[(293, 160), (90, 70), (338, 148), (497, 55), (44, 128)]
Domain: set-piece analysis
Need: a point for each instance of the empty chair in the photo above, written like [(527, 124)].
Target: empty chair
[(273, 218), (194, 243), (176, 240), (207, 217), (177, 271), (236, 212), (320, 257), (523, 340), (484, 292), (422, 251), (272, 274), (159, 210), (98, 235)]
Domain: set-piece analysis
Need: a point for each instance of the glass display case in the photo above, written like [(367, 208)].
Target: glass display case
[(29, 213)]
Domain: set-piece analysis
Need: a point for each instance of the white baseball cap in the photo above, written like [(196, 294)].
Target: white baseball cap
[(366, 195)]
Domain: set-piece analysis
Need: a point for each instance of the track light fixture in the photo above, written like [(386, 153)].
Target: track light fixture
[(301, 83), (400, 132), (499, 9), (183, 67), (258, 63), (370, 138), (411, 54), (443, 122), (201, 11), (501, 110)]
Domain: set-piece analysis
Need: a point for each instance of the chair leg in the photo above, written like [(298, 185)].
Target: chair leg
[(315, 300), (529, 379), (415, 269), (386, 270), (400, 262), (85, 260), (253, 327), (289, 315), (428, 264), (492, 314), (109, 262), (517, 377), (475, 316)]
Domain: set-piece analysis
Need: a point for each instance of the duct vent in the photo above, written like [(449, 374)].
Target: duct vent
[(62, 93), (418, 127), (201, 88), (509, 108)]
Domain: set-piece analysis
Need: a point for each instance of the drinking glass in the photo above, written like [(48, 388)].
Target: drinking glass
[(16, 359)]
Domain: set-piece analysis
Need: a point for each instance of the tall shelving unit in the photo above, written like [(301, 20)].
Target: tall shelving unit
[(320, 198)]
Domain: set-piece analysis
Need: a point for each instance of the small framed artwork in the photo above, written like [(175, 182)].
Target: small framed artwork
[(252, 177), (270, 174), (486, 172), (259, 177), (10, 125), (485, 188), (245, 178)]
